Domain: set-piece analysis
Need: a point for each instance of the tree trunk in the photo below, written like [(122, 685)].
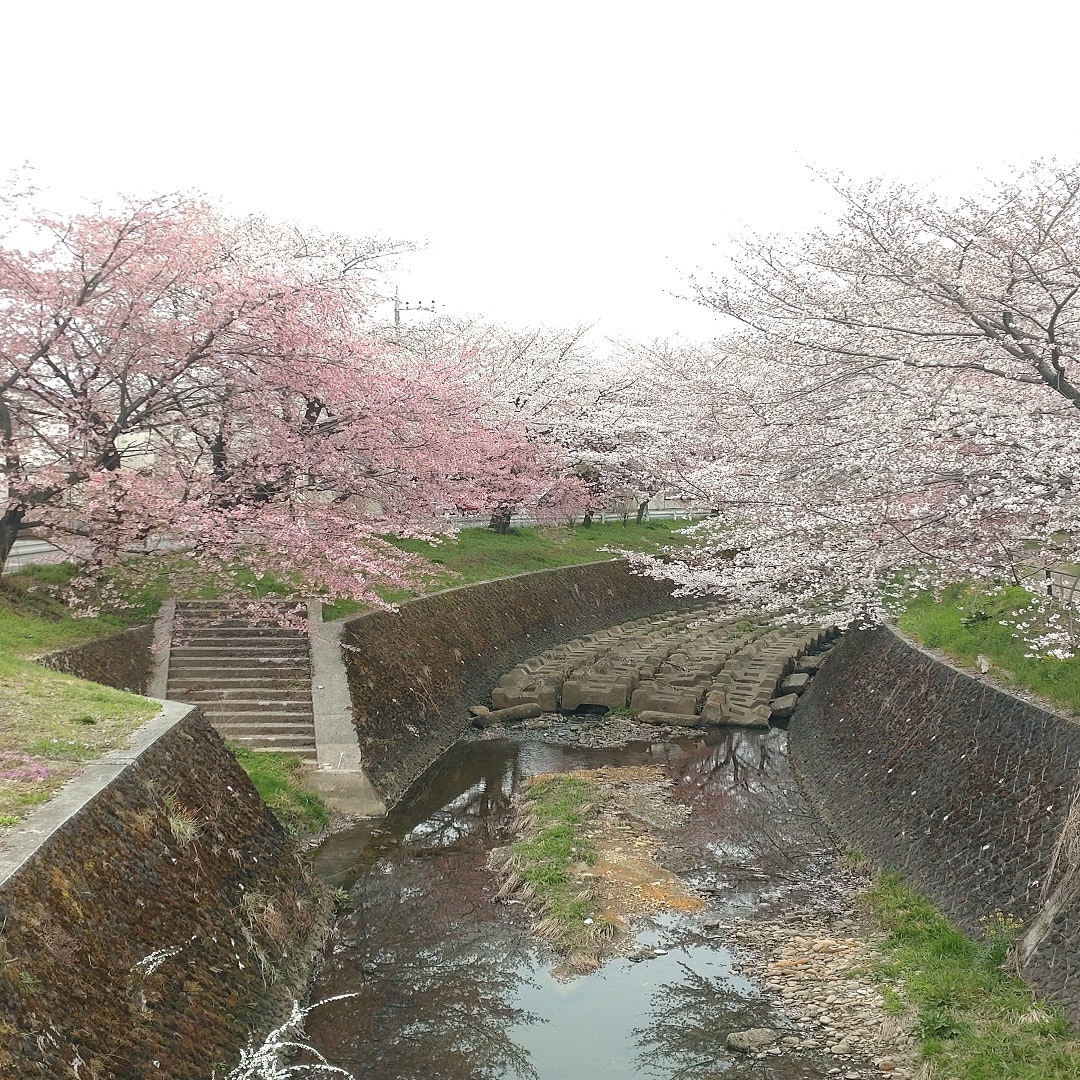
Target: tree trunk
[(586, 521), (500, 520), (9, 530), (641, 508)]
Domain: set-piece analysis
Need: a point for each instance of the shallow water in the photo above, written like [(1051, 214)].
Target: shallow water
[(448, 983)]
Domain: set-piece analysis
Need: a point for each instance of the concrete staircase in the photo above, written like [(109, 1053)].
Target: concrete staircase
[(250, 677)]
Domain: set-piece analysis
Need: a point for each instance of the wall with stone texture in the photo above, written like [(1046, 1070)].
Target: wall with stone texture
[(122, 661), (414, 673), (171, 854), (962, 787)]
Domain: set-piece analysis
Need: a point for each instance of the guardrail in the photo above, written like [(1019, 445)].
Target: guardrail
[(1062, 586)]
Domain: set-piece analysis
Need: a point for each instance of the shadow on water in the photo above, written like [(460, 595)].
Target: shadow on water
[(449, 985)]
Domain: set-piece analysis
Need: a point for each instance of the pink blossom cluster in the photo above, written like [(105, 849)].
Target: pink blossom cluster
[(20, 767), (176, 378)]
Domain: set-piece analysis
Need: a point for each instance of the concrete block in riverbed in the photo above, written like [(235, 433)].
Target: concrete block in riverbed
[(754, 716), (504, 697), (662, 698), (506, 716), (611, 691), (666, 719), (795, 684), (783, 707), (712, 712)]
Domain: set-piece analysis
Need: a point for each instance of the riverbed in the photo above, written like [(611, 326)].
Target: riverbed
[(445, 982)]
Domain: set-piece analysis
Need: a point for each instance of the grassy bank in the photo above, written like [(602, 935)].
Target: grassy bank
[(973, 1019), (276, 778), (51, 724), (967, 623), (476, 555)]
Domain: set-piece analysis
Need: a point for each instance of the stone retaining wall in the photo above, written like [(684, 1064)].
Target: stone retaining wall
[(152, 916), (414, 673), (122, 661), (960, 786)]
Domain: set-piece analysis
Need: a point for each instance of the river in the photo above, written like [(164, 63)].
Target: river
[(447, 983)]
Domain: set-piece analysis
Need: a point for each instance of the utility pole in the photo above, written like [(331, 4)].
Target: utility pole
[(418, 307)]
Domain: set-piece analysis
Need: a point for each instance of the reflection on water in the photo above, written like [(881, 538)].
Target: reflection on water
[(449, 985)]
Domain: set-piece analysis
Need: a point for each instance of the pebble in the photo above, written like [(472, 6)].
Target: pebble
[(812, 972)]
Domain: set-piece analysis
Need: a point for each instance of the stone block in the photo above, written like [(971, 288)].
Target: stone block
[(795, 684), (783, 707), (571, 695), (503, 697), (547, 697), (757, 716), (712, 712), (657, 716)]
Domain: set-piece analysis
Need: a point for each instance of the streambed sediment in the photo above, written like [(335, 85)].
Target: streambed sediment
[(762, 930)]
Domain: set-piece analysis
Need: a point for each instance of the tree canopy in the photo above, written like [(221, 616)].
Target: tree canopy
[(900, 401), (171, 375)]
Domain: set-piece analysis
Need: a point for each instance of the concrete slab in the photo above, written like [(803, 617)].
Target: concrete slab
[(339, 778)]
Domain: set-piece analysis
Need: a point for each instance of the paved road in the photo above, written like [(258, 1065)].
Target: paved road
[(32, 551)]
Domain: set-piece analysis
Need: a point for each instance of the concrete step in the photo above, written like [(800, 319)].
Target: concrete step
[(269, 649), (300, 710), (274, 711), (227, 635), (261, 693), (257, 668), (217, 680), (291, 732), (303, 742), (233, 605)]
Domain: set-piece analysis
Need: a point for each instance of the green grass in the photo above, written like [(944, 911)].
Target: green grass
[(277, 780), (559, 807), (974, 1020), (50, 724), (481, 555), (966, 621)]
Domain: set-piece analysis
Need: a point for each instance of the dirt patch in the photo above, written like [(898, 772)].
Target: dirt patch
[(623, 884), (626, 878)]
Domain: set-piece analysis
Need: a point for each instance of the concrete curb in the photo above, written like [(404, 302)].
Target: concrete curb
[(339, 778), (160, 648)]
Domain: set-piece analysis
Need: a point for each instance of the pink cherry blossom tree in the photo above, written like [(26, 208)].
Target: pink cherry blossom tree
[(168, 374), (542, 389)]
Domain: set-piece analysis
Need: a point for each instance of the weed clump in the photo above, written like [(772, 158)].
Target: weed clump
[(539, 868), (973, 1018)]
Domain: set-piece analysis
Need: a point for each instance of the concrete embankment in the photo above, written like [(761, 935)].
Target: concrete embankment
[(962, 787), (414, 673), (153, 916)]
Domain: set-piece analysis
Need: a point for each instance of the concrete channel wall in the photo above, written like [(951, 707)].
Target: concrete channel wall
[(153, 916), (962, 787), (414, 673)]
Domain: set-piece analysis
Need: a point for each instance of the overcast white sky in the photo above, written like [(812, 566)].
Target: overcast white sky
[(564, 162)]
